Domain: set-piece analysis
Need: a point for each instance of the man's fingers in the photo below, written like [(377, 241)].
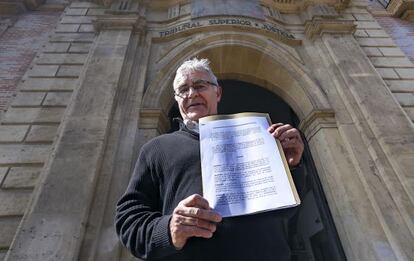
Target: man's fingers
[(189, 221), (208, 215), (273, 127), (289, 134), (195, 200)]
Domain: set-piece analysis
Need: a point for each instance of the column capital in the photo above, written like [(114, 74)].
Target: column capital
[(315, 121)]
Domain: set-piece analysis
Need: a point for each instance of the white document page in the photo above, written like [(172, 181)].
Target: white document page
[(242, 169)]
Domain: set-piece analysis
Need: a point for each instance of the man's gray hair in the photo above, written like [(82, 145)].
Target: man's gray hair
[(193, 65)]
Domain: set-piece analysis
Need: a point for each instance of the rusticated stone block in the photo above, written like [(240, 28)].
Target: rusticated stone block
[(84, 5), (33, 115), (67, 28), (390, 51), (387, 73), (79, 47), (86, 28), (43, 71), (8, 226), (76, 20), (405, 99), (56, 48), (14, 202), (401, 85), (28, 99), (376, 42), (76, 11), (10, 133), (72, 37), (377, 33), (95, 12), (3, 171), (72, 71), (367, 25), (372, 51), (391, 62), (21, 177), (48, 84), (57, 99), (406, 73), (23, 154), (410, 112), (61, 58), (40, 133)]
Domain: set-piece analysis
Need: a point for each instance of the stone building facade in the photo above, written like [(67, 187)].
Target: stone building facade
[(96, 85)]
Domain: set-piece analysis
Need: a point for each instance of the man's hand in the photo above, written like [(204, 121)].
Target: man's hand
[(291, 141), (193, 217)]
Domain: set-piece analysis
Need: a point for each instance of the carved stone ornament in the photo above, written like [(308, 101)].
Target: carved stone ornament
[(401, 8), (318, 26)]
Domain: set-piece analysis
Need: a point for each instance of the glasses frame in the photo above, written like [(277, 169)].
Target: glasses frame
[(199, 81)]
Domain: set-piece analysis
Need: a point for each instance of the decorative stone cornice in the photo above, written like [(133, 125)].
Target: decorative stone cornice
[(402, 8), (318, 26), (154, 119), (297, 6), (317, 120), (119, 22)]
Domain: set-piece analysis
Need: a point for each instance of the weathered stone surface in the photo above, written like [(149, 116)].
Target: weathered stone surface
[(48, 84), (3, 171), (10, 133), (72, 71), (387, 73), (28, 99), (84, 5), (372, 51), (60, 58), (40, 133), (410, 112), (391, 62), (23, 154), (360, 33), (405, 99), (33, 115), (367, 25), (56, 47), (8, 226), (379, 42), (376, 33), (406, 73), (83, 137), (57, 99), (401, 85), (67, 28), (76, 20), (86, 28), (76, 11), (14, 202), (3, 254), (96, 12), (386, 51), (364, 17), (43, 71), (72, 37), (79, 47), (21, 177)]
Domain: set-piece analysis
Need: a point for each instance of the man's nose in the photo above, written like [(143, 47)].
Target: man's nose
[(192, 91)]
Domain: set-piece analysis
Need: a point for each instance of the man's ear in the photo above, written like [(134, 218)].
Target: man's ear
[(219, 92)]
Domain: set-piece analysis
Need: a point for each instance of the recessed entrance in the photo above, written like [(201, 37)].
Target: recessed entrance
[(312, 235)]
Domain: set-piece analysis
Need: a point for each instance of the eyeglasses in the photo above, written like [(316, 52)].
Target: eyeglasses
[(198, 86)]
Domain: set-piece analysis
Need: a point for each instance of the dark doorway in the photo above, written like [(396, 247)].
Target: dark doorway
[(312, 234)]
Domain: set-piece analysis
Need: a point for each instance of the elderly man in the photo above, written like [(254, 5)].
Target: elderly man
[(162, 215)]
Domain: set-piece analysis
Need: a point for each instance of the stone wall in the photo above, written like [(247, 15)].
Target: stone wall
[(29, 127), (385, 53)]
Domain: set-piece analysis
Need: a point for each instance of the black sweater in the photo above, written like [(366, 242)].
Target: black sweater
[(167, 171)]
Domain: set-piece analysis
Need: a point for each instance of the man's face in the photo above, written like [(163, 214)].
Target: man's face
[(197, 104)]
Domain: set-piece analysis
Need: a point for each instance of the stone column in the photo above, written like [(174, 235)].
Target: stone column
[(364, 161), (54, 226)]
